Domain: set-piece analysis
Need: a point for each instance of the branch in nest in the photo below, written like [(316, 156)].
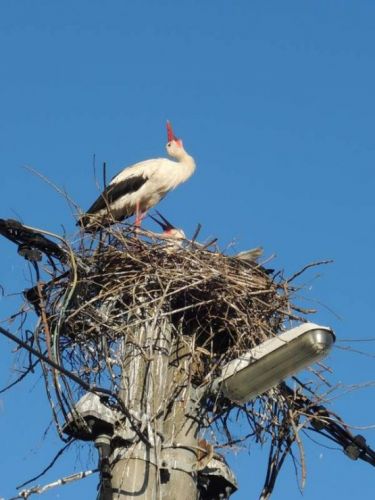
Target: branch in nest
[(313, 264)]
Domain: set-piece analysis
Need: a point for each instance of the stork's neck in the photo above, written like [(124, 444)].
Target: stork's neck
[(186, 164)]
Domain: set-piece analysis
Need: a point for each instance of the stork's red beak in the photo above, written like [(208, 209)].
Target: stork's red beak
[(171, 136)]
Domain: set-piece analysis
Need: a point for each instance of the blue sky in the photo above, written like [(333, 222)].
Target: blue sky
[(275, 100)]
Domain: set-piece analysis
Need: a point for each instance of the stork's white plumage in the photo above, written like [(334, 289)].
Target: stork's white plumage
[(141, 186)]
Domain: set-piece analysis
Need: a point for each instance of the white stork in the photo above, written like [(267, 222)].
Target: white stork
[(141, 186), (176, 235)]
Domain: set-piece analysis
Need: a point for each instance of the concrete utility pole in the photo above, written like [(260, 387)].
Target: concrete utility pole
[(156, 369)]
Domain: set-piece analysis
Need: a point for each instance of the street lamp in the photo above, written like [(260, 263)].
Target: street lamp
[(276, 359)]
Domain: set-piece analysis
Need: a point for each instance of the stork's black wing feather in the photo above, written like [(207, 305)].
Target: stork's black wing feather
[(114, 191)]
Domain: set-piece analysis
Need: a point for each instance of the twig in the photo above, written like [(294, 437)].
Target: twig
[(21, 377), (300, 448), (313, 264), (44, 318)]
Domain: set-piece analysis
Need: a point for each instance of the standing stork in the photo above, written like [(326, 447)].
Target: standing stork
[(141, 186)]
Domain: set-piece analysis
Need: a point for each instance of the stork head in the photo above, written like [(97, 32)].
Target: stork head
[(169, 231), (174, 234), (175, 148)]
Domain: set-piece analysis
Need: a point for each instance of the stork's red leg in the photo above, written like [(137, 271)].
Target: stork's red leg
[(139, 216), (138, 219)]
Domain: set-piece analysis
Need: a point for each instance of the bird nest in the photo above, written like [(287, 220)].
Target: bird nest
[(122, 282)]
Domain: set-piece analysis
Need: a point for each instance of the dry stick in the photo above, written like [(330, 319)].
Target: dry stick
[(356, 351), (21, 377), (104, 176), (48, 181), (207, 245), (372, 339), (300, 447), (313, 264), (44, 319), (195, 235)]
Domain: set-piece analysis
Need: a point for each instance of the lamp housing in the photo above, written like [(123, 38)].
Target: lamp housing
[(276, 359)]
